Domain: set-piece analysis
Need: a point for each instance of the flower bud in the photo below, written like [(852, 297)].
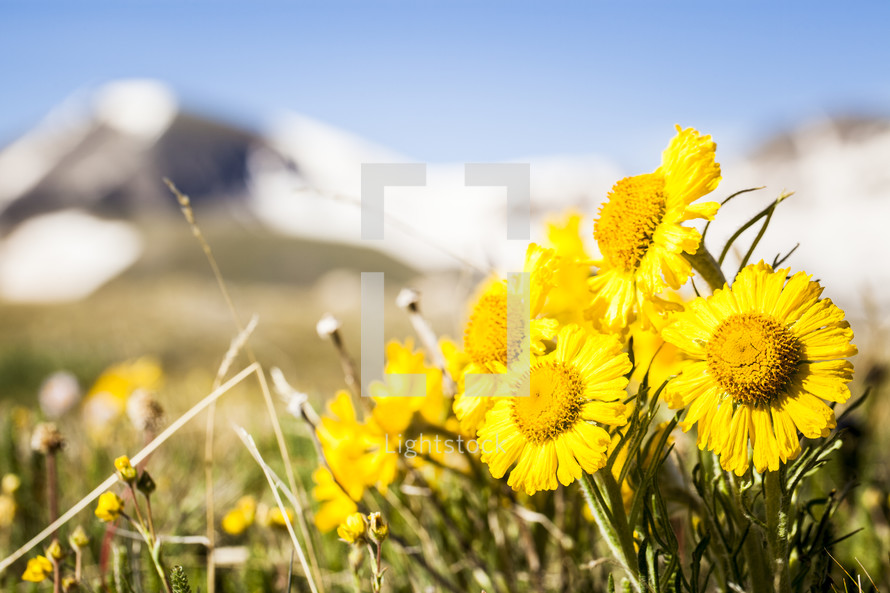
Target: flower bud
[(408, 299), (125, 471), (144, 411), (146, 485), (54, 550), (47, 439), (78, 539), (378, 528), (327, 326), (9, 484)]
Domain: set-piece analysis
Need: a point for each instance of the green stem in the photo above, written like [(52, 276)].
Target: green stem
[(613, 525), (777, 529), (707, 267), (159, 565), (154, 548), (758, 565)]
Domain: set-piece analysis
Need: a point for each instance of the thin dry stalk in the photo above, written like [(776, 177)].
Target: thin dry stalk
[(188, 213), (267, 471), (409, 300), (210, 504)]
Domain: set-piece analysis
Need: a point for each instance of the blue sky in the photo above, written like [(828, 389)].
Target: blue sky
[(467, 81)]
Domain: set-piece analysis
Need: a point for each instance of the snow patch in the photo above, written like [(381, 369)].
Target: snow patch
[(141, 108), (64, 256)]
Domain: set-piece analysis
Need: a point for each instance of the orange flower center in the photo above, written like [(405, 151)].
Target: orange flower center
[(628, 220), (554, 403), (485, 337), (752, 356)]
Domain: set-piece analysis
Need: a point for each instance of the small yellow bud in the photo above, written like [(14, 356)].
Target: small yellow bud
[(10, 484), (78, 539), (378, 528), (276, 518), (54, 550), (237, 520), (125, 471), (38, 569), (70, 585), (353, 528), (109, 507)]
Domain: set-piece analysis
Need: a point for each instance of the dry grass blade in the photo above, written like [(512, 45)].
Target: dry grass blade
[(235, 347), (255, 452), (145, 452), (189, 214)]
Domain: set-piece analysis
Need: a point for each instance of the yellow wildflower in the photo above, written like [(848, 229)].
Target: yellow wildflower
[(765, 352), (107, 398), (485, 337), (9, 484), (549, 434), (237, 520), (109, 507), (353, 528), (359, 453), (393, 411), (335, 504), (38, 569), (641, 235), (273, 517), (570, 294)]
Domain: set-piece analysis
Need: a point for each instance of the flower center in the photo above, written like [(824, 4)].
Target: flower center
[(485, 338), (629, 218), (554, 403), (752, 356)]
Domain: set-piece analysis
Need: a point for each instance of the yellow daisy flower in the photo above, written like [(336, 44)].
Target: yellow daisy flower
[(550, 434), (361, 454), (353, 528), (273, 517), (39, 568), (393, 411), (765, 352), (109, 507), (641, 235), (570, 293), (485, 337), (237, 520), (336, 505)]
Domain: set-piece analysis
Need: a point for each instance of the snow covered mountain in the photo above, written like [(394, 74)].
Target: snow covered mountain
[(71, 190)]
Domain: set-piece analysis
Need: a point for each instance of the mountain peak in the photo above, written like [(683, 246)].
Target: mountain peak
[(140, 107)]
